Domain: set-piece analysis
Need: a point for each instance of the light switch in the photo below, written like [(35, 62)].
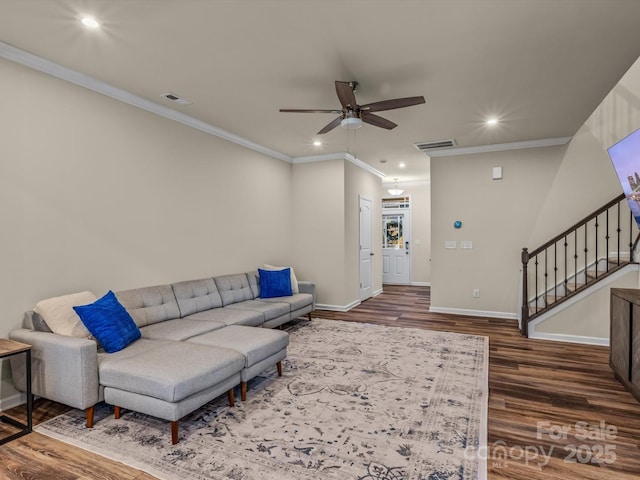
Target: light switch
[(466, 244), (450, 244)]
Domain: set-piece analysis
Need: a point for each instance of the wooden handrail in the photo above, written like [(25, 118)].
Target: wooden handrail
[(577, 225)]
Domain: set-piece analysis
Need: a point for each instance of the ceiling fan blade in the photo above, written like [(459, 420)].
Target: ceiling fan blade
[(345, 94), (299, 110), (331, 125), (372, 119), (392, 104)]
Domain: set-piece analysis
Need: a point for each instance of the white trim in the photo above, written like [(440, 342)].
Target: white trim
[(318, 158), (563, 337), (51, 68), (376, 293), (420, 284), (422, 183), (338, 156), (338, 308), (365, 166), (498, 147), (12, 401), (474, 313)]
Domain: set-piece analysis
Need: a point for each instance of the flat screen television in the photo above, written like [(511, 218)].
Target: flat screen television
[(625, 156)]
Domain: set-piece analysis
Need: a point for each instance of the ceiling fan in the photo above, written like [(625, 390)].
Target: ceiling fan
[(352, 115)]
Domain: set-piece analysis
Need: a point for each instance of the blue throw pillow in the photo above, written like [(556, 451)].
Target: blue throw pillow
[(275, 283), (109, 322)]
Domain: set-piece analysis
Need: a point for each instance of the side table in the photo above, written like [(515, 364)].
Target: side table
[(9, 348)]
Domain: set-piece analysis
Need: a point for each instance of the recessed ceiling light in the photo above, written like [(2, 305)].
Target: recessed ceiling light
[(90, 22), (402, 165), (317, 143), (492, 121)]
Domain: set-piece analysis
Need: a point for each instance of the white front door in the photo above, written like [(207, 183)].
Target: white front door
[(366, 251), (396, 251)]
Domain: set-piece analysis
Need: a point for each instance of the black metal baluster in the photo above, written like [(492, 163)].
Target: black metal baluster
[(575, 256), (566, 280), (555, 272), (618, 230), (596, 255), (536, 293), (586, 249), (546, 275), (607, 237)]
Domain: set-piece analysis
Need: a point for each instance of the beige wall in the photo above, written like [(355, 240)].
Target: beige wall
[(588, 317), (98, 195), (318, 228), (326, 228), (420, 193), (498, 216)]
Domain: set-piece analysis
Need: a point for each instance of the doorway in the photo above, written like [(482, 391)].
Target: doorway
[(396, 241), (366, 248)]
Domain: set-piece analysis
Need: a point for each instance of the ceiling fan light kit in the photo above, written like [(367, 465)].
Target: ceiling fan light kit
[(351, 123), (353, 115)]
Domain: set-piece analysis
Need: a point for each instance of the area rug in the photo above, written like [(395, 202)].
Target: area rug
[(356, 401)]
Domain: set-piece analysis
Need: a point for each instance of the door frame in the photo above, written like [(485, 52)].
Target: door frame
[(367, 292), (407, 212)]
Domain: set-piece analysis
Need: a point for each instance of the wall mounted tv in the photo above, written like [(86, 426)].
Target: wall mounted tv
[(625, 156)]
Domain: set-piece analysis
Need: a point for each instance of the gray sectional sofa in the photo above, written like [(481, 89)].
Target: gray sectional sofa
[(199, 340)]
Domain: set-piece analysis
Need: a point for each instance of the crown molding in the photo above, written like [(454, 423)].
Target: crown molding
[(498, 147), (339, 156), (43, 65)]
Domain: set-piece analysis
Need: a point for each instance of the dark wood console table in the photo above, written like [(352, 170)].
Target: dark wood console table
[(9, 348), (624, 356)]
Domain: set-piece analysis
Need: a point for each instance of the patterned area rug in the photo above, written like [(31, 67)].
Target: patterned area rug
[(356, 401)]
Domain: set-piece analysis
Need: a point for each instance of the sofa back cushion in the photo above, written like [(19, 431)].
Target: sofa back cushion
[(234, 288), (195, 296), (150, 305)]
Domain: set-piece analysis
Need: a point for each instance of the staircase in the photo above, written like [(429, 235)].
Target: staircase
[(578, 258)]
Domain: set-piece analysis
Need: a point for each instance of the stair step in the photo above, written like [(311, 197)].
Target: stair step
[(572, 287)]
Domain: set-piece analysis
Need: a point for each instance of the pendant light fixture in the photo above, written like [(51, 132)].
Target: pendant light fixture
[(395, 191)]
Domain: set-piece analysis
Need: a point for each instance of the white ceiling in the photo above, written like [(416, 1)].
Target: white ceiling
[(540, 66)]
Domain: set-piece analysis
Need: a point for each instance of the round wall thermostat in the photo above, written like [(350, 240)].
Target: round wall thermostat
[(457, 224)]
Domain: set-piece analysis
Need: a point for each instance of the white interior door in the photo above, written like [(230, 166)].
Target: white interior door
[(396, 247), (366, 251)]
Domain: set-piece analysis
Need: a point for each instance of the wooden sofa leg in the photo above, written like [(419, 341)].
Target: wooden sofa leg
[(279, 365), (243, 391), (90, 411), (309, 315), (232, 398), (174, 432), (117, 412)]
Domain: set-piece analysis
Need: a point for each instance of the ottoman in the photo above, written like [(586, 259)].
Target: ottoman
[(261, 347), (168, 379)]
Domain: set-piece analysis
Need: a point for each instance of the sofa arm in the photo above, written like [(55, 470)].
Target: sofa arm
[(308, 287), (63, 369)]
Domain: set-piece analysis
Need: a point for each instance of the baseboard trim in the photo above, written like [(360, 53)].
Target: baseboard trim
[(420, 284), (337, 308), (563, 337), (377, 292), (14, 400), (474, 313)]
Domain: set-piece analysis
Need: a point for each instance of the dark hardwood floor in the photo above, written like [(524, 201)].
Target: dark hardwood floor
[(555, 409)]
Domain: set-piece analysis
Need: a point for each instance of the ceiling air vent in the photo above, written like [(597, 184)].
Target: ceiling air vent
[(438, 144), (176, 99)]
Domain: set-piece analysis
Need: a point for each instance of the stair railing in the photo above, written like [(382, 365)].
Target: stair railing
[(575, 259)]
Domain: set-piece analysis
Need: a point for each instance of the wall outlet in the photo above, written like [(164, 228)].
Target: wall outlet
[(476, 293)]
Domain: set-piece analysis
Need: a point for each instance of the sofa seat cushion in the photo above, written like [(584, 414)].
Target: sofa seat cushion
[(295, 301), (150, 305), (196, 296), (152, 369), (178, 329), (255, 344), (229, 317), (270, 310)]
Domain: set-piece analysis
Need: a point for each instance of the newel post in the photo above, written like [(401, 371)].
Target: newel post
[(524, 320)]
